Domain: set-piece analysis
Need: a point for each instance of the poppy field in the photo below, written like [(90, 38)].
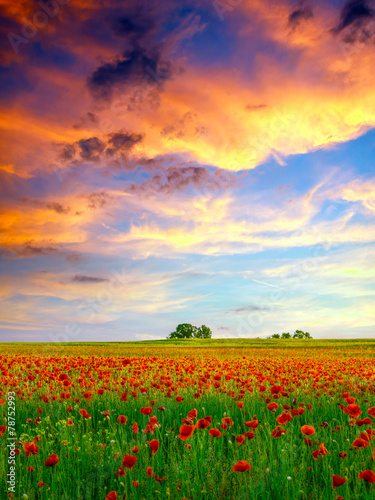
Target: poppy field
[(187, 421)]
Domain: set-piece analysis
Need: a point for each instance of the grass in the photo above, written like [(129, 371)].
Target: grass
[(315, 373)]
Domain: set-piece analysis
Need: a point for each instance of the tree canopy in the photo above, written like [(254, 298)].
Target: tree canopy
[(188, 331), (298, 334)]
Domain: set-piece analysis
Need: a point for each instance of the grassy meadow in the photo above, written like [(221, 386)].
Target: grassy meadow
[(191, 419)]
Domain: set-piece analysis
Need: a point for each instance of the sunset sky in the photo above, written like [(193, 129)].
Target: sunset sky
[(208, 162)]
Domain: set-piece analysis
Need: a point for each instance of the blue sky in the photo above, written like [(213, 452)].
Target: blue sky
[(171, 164)]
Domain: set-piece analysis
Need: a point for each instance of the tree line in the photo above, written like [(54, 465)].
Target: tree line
[(298, 334), (188, 331)]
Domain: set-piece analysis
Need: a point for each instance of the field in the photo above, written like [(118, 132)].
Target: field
[(227, 419)]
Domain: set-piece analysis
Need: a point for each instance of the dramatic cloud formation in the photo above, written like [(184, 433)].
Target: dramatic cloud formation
[(165, 162)]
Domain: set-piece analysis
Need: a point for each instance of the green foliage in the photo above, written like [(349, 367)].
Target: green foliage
[(188, 331), (286, 335), (299, 334)]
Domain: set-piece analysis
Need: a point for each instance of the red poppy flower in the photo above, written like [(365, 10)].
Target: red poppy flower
[(368, 476), (252, 423), (365, 421), (203, 423), (52, 460), (279, 431), (150, 472), (272, 406), (228, 421), (154, 445), (249, 435), (240, 404), (112, 495), (276, 389), (135, 449), (124, 396), (343, 455), (129, 461), (122, 419), (353, 410), (307, 430), (40, 484), (136, 484), (371, 411), (187, 421), (30, 449), (284, 418), (147, 410), (322, 451), (120, 472), (30, 468), (214, 432), (192, 414), (179, 399), (84, 413), (186, 431), (70, 422), (338, 481), (360, 443), (240, 439), (241, 466), (3, 429), (135, 427)]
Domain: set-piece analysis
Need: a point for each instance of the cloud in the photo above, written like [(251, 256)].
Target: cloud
[(355, 12), (140, 61), (96, 200), (40, 248), (358, 191), (94, 149), (79, 278), (91, 149), (122, 142), (249, 308), (134, 68), (50, 205), (301, 13), (178, 179), (31, 249), (68, 152), (146, 63)]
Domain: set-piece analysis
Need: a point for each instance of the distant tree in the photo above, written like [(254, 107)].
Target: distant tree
[(188, 331), (183, 331), (286, 336), (299, 334), (203, 332)]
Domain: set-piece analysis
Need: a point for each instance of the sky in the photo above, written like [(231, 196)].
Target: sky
[(204, 162)]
